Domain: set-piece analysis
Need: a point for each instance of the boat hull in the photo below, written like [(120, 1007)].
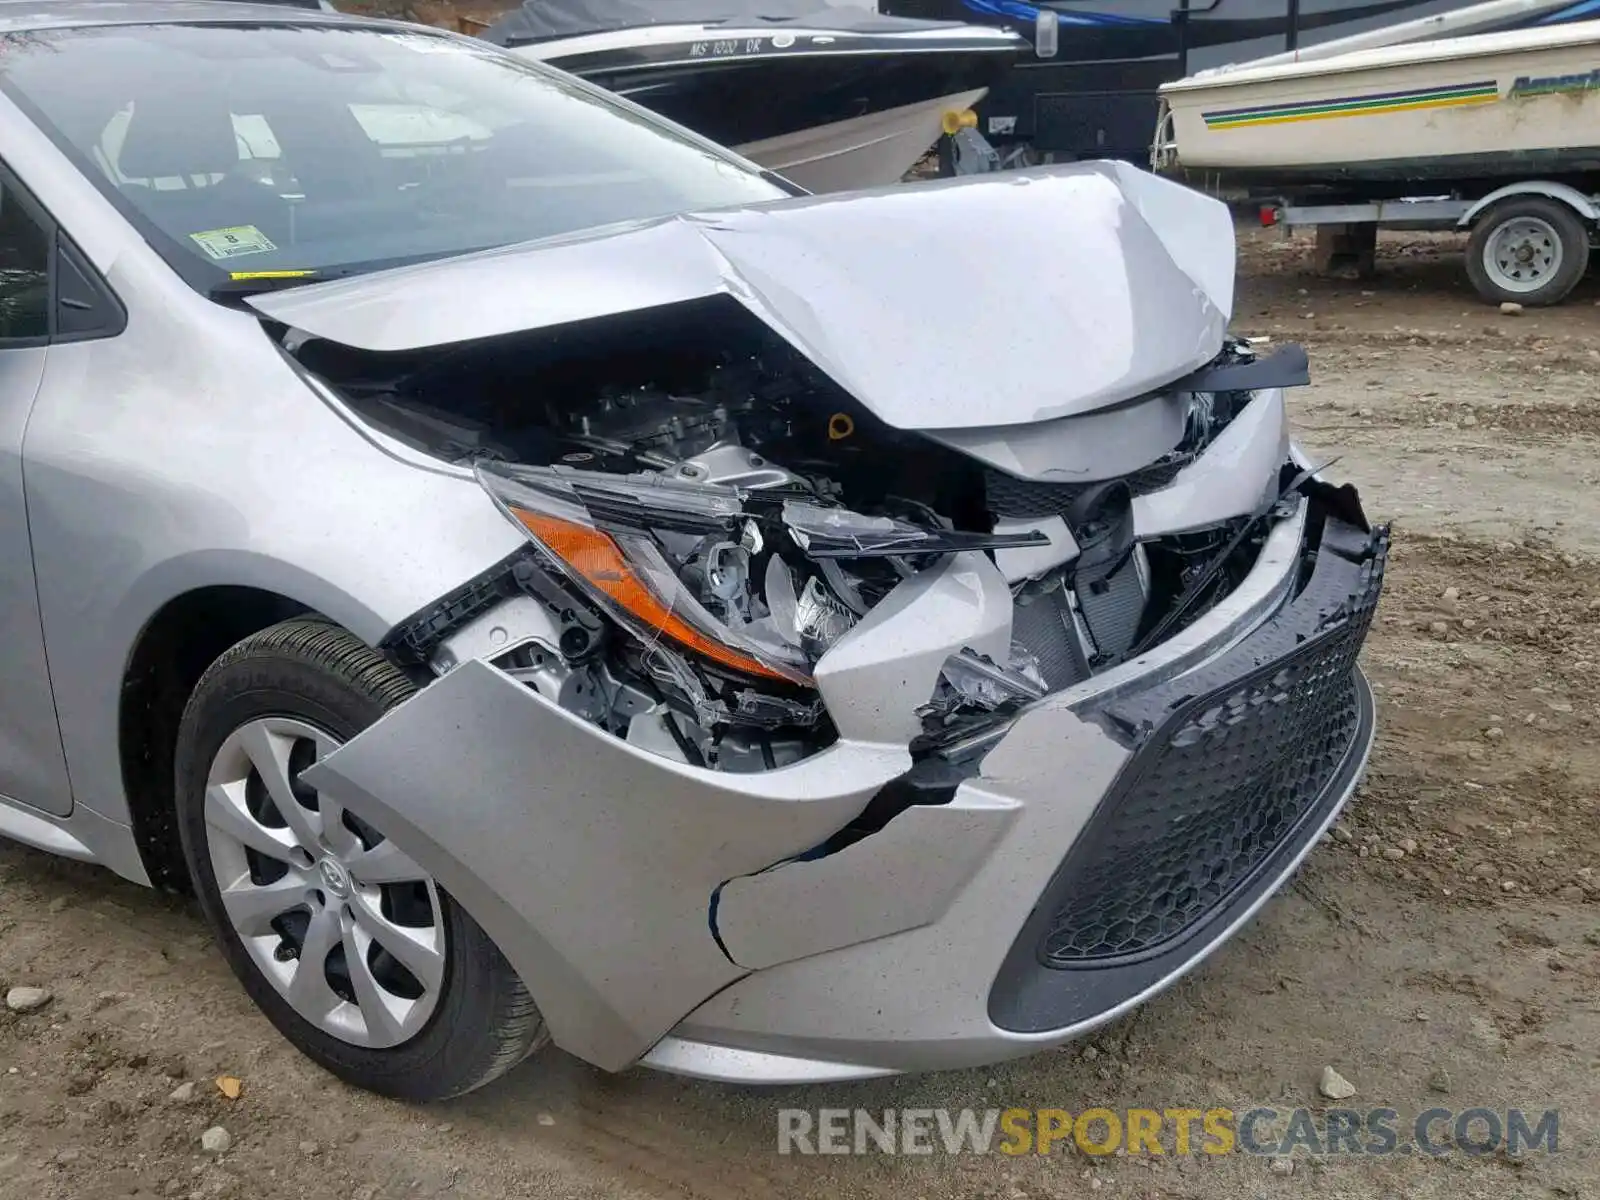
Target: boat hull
[(830, 111), (1497, 104), (868, 151)]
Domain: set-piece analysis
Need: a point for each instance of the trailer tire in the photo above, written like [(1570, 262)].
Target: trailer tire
[(1529, 250)]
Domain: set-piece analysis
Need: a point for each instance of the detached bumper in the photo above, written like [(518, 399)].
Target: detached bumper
[(1151, 819), (1113, 837)]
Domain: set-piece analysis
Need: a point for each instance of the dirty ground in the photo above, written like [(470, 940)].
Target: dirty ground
[(1458, 969)]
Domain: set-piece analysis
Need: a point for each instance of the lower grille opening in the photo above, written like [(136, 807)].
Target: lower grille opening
[(1233, 768), (1230, 761), (1233, 779)]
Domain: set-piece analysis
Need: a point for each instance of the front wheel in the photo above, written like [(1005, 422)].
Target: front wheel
[(347, 945), (1529, 250)]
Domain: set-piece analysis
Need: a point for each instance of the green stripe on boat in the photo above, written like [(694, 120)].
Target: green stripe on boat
[(1341, 106)]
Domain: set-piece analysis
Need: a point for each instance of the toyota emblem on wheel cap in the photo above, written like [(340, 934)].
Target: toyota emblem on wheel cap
[(334, 878)]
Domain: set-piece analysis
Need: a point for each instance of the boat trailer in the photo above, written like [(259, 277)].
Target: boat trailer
[(1530, 240)]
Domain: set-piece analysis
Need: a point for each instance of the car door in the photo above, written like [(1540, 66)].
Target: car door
[(46, 292)]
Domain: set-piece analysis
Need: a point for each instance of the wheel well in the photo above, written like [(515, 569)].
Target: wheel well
[(1582, 206), (184, 638)]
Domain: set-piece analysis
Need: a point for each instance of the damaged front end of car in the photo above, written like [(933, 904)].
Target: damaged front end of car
[(827, 624)]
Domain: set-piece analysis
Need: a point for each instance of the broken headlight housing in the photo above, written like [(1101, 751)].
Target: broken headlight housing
[(670, 562), (753, 586)]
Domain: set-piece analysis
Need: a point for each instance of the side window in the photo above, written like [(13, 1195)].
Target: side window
[(26, 248)]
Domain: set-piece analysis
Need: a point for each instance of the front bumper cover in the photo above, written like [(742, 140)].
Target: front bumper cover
[(1233, 765), (639, 900)]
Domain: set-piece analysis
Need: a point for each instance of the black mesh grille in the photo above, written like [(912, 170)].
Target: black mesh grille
[(1011, 497), (1113, 608), (1042, 626), (1213, 791), (1158, 474), (1008, 496)]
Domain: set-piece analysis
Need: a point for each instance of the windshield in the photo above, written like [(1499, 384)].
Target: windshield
[(248, 152)]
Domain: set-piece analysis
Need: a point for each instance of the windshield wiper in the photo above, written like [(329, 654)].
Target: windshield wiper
[(242, 284), (255, 283)]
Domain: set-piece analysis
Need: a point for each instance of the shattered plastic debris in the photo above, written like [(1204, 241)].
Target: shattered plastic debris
[(969, 679), (782, 604), (841, 533), (811, 621), (809, 522), (820, 619)]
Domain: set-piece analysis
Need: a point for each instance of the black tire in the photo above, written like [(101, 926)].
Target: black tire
[(1569, 230), (485, 1021)]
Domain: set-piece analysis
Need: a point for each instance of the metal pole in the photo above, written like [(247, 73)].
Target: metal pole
[(1181, 18)]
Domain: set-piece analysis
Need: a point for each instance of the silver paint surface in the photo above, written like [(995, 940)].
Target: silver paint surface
[(1233, 477), (190, 452), (902, 877), (957, 305), (877, 675), (949, 1030), (590, 862), (522, 811), (187, 452)]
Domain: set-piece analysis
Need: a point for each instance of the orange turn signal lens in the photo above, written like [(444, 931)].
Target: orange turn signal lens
[(596, 558)]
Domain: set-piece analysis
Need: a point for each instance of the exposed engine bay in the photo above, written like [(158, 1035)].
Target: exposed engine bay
[(709, 514)]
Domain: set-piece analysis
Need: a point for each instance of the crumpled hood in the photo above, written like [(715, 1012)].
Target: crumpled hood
[(1003, 299)]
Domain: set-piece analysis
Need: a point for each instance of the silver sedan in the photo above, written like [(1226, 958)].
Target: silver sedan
[(534, 576)]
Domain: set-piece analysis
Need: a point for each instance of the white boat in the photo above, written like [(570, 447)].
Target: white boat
[(832, 96), (1519, 103)]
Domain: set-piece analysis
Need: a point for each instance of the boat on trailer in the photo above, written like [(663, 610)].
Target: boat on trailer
[(1495, 135), (832, 98), (1498, 105), (1087, 88)]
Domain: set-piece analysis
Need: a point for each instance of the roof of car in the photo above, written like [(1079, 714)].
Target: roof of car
[(17, 15)]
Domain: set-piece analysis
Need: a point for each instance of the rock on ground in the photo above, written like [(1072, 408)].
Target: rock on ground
[(216, 1140), (27, 999), (1334, 1085)]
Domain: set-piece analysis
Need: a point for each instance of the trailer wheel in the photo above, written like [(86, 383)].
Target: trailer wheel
[(1528, 249)]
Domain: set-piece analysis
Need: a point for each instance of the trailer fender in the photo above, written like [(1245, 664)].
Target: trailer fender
[(1585, 206)]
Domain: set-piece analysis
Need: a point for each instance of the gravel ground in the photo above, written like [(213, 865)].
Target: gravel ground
[(1442, 948)]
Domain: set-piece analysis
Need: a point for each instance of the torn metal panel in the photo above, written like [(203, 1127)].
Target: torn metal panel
[(543, 807), (876, 676), (901, 877), (1163, 899), (893, 293), (1052, 767), (1022, 563), (1104, 444), (1231, 477)]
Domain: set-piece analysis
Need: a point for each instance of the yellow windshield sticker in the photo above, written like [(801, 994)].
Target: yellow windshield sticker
[(237, 275), (229, 243)]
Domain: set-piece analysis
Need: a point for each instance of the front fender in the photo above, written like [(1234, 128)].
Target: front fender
[(186, 454), (590, 863)]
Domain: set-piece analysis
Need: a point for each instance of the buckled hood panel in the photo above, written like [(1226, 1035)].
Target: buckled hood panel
[(1001, 300)]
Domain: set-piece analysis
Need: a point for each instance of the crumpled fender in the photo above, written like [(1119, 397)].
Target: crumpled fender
[(593, 864), (558, 838)]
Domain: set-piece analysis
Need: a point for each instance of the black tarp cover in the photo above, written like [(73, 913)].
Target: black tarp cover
[(538, 20)]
